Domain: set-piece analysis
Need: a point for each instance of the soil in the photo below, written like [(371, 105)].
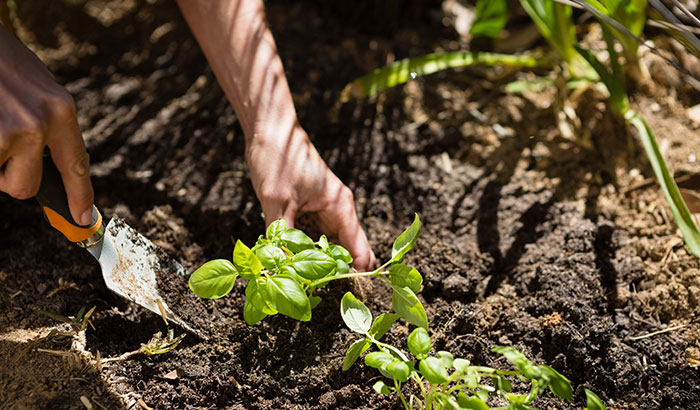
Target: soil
[(563, 248)]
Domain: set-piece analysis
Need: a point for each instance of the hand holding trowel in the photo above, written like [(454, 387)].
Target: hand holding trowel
[(128, 260)]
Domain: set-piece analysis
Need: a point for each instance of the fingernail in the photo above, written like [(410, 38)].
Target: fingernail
[(86, 218)]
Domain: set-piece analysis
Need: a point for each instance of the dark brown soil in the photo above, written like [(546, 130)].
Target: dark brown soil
[(530, 239)]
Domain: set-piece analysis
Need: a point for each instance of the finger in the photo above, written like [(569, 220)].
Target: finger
[(21, 175), (73, 162), (276, 209), (341, 217)]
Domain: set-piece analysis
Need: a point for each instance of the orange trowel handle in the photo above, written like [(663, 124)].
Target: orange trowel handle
[(53, 200)]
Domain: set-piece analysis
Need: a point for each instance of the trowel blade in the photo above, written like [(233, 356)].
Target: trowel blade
[(129, 263)]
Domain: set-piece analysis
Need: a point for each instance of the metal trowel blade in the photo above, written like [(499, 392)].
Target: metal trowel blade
[(129, 263)]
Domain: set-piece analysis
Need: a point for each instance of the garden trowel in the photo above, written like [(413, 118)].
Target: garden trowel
[(128, 260)]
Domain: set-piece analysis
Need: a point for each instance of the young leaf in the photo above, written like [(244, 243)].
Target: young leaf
[(502, 384), (378, 360), (460, 364), (382, 324), (314, 301), (558, 384), (514, 356), (407, 305), (381, 388), (257, 293), (214, 279), (471, 403), (338, 252), (354, 352), (405, 276), (593, 402), (312, 264), (323, 243), (297, 240), (419, 343), (245, 261), (405, 241), (251, 314), (433, 370), (398, 369), (446, 358), (289, 298), (355, 314), (276, 229), (491, 16), (270, 256), (341, 267)]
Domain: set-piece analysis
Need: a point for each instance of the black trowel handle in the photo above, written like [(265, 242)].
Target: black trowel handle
[(54, 202)]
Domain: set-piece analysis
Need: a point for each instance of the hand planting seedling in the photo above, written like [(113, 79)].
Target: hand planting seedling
[(285, 267), (446, 382)]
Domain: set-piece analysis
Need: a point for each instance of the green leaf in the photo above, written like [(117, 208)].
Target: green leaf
[(558, 384), (355, 314), (407, 305), (471, 403), (398, 369), (276, 229), (381, 388), (289, 298), (354, 352), (446, 357), (405, 241), (323, 243), (681, 214), (251, 314), (433, 370), (460, 365), (339, 253), (312, 264), (341, 267), (245, 261), (405, 276), (502, 384), (297, 240), (314, 301), (593, 402), (514, 356), (270, 256), (382, 324), (258, 294), (491, 16), (378, 360), (410, 68), (419, 342), (214, 279)]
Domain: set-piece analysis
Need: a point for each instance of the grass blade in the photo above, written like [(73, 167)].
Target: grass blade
[(682, 215), (401, 71)]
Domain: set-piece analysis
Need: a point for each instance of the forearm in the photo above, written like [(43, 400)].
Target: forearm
[(241, 51)]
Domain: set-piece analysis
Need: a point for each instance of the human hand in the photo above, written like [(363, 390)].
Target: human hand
[(290, 178), (35, 113)]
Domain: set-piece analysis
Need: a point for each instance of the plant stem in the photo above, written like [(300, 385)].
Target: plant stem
[(397, 386), (345, 276)]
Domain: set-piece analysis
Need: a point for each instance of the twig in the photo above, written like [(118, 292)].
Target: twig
[(658, 332), (125, 356)]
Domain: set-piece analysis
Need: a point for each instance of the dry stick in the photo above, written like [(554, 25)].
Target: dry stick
[(658, 332)]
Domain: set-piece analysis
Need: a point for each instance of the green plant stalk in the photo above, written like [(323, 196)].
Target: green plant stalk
[(410, 68), (680, 211)]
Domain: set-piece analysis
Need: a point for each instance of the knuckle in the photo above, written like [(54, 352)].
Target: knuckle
[(81, 165), (22, 191), (60, 105)]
